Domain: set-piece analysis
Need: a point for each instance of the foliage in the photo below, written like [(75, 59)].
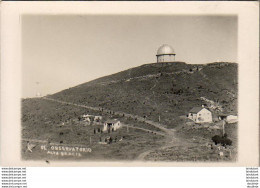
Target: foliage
[(223, 140)]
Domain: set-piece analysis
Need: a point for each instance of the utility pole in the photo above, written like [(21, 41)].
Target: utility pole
[(38, 94), (159, 118), (223, 126)]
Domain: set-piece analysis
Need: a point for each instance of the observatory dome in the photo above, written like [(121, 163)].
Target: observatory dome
[(165, 49), (165, 54)]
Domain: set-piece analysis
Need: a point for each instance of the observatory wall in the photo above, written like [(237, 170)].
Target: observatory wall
[(165, 58)]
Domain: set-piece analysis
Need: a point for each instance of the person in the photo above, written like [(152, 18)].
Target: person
[(94, 131), (110, 140)]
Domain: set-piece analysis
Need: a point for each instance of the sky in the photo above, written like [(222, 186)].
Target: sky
[(62, 51)]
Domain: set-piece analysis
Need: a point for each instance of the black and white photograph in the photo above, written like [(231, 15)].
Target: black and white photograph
[(111, 88)]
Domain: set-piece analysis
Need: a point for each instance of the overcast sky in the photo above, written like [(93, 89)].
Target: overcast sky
[(63, 51)]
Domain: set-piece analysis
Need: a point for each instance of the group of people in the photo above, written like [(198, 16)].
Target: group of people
[(98, 130)]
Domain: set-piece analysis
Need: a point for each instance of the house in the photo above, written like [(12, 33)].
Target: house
[(87, 118), (232, 119), (200, 115), (228, 118), (112, 125)]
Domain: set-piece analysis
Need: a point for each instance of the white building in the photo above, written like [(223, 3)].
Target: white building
[(87, 118), (200, 115), (112, 125), (228, 118), (165, 53), (232, 119), (97, 118)]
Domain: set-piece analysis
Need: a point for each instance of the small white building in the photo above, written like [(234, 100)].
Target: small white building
[(91, 118), (97, 118), (86, 118), (228, 118), (232, 119), (200, 115), (112, 125)]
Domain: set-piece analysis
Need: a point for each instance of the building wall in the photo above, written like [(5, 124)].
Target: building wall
[(192, 116), (105, 127), (232, 119), (165, 58), (204, 116), (115, 126)]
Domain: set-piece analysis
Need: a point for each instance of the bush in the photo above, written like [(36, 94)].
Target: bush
[(223, 140)]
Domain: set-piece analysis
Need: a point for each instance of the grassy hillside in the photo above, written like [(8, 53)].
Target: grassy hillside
[(56, 123), (137, 97), (168, 90)]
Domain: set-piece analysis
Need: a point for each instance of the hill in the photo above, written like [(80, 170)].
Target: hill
[(151, 101), (168, 90)]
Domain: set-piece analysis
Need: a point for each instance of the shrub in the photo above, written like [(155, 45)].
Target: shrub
[(225, 135), (223, 140)]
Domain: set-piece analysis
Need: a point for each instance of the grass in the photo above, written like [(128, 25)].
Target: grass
[(188, 153), (42, 120), (134, 143), (198, 146), (173, 92), (167, 91)]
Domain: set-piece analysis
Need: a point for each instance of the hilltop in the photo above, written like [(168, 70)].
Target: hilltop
[(168, 90)]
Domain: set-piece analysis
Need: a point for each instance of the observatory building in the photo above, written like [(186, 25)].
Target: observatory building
[(165, 53)]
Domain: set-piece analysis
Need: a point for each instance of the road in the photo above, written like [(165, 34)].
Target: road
[(170, 138), (138, 118), (143, 129)]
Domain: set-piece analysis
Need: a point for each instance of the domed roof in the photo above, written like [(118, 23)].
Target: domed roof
[(165, 49)]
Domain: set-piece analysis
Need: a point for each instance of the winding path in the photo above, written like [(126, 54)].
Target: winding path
[(139, 118), (170, 138)]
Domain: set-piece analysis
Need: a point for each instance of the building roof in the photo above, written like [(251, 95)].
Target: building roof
[(112, 121), (196, 109), (224, 115), (165, 49)]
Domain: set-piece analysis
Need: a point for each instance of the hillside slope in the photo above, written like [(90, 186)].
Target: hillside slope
[(168, 90)]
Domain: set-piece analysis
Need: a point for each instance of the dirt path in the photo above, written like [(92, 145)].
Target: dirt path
[(139, 118), (170, 140), (170, 137), (143, 129)]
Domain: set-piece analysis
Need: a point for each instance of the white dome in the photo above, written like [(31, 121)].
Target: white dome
[(165, 49)]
